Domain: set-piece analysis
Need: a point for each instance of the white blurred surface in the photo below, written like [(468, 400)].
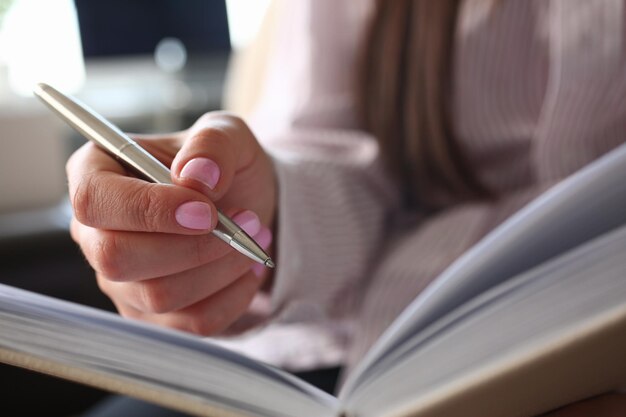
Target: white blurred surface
[(244, 20), (32, 157), (40, 42)]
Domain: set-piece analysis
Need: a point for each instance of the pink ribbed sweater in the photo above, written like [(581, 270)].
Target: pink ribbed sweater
[(539, 91)]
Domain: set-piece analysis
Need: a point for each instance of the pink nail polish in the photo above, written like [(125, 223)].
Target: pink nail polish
[(248, 221), (263, 238), (202, 169), (258, 270), (194, 215)]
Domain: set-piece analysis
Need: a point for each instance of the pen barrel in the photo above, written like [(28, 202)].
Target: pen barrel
[(87, 122), (146, 165), (150, 168), (109, 137), (143, 163), (238, 239)]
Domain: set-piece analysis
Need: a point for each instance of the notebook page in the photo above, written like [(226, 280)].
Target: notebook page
[(592, 200), (550, 307), (106, 346)]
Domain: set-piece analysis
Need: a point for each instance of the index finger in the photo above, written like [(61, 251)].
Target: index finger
[(104, 196)]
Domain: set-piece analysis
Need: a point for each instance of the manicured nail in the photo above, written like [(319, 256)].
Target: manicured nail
[(263, 238), (248, 221), (202, 169), (194, 215), (258, 269)]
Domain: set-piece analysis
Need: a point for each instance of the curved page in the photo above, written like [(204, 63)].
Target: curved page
[(163, 366), (533, 339), (593, 200)]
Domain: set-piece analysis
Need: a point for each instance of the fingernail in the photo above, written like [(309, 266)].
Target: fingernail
[(258, 270), (248, 221), (194, 215), (202, 169), (263, 238)]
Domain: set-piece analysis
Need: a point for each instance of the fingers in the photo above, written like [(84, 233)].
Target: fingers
[(217, 146), (180, 290), (103, 197), (161, 147), (202, 300), (209, 316), (149, 243), (132, 256)]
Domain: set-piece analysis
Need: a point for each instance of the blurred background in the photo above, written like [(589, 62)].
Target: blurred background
[(146, 65)]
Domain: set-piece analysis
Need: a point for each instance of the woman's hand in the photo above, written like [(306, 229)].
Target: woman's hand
[(150, 244)]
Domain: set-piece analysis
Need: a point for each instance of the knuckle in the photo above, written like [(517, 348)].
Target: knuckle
[(205, 118), (103, 285), (106, 256), (212, 134), (206, 325), (235, 120), (153, 297), (239, 125), (152, 209), (69, 165), (201, 250), (219, 117), (82, 201), (217, 126), (76, 162), (74, 233), (129, 313)]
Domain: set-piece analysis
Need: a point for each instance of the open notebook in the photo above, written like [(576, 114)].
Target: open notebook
[(532, 317)]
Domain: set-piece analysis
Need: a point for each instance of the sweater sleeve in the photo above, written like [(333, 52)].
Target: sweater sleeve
[(334, 198), (584, 113), (333, 193)]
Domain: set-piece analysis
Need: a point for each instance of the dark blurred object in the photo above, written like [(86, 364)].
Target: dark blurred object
[(51, 264), (135, 27), (155, 63)]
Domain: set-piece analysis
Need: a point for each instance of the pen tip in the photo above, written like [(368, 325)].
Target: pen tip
[(269, 263)]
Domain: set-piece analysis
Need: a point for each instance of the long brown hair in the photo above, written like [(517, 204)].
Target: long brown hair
[(403, 91)]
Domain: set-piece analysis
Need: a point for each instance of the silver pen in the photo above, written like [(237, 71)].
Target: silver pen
[(110, 138)]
